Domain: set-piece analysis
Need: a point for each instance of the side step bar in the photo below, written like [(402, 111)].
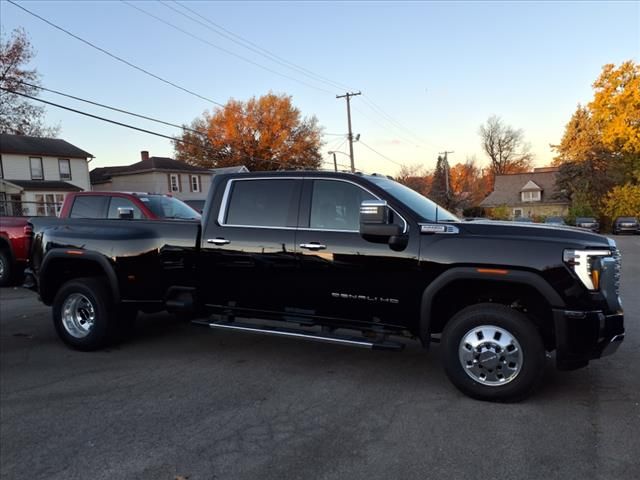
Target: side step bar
[(303, 334)]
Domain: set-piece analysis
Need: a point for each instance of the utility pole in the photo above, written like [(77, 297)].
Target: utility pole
[(446, 173), (348, 96), (335, 162)]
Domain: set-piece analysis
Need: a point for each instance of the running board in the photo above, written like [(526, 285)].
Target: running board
[(303, 334)]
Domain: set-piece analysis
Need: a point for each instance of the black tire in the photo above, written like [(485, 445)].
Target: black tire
[(6, 268), (490, 359), (95, 297)]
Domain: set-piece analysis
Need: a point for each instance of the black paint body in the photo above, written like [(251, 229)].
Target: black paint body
[(353, 283)]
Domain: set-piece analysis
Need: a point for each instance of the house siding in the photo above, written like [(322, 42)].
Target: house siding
[(17, 167), (156, 182)]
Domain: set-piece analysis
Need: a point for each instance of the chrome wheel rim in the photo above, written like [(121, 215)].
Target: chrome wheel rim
[(78, 315), (490, 355)]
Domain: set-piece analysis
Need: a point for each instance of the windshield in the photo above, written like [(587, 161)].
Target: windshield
[(421, 205), (169, 207)]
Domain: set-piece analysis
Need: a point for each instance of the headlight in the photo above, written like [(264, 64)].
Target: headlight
[(586, 264)]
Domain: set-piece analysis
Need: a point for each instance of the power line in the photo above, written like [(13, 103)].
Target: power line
[(248, 44), (115, 109), (126, 125), (97, 117), (385, 126), (376, 108), (116, 57), (222, 49), (382, 155)]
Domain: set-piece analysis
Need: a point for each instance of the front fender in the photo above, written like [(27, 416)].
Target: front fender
[(485, 274)]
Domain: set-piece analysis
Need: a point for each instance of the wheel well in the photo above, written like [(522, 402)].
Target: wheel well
[(4, 245), (460, 294), (61, 270)]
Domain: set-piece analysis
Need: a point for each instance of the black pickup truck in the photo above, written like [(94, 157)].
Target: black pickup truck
[(344, 258)]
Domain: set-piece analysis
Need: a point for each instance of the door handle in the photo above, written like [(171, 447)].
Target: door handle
[(313, 246), (218, 241)]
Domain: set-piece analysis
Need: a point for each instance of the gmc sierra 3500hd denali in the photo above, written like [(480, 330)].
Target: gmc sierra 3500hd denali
[(350, 259)]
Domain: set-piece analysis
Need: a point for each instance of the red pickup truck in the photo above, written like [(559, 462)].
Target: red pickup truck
[(15, 232)]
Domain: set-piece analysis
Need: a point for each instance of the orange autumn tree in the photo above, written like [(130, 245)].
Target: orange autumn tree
[(265, 133)]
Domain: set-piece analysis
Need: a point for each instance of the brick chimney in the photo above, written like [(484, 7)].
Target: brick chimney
[(144, 155)]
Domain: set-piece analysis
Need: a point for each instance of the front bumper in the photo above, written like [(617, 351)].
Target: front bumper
[(583, 336), (620, 229)]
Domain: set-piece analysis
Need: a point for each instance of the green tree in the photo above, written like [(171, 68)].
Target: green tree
[(616, 107), (266, 133), (600, 147), (440, 191), (621, 201)]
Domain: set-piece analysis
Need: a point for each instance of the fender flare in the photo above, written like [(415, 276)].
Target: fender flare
[(472, 273), (85, 256), (5, 239)]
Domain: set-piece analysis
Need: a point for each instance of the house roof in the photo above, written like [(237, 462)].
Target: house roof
[(531, 186), (53, 147), (151, 164), (236, 169), (507, 188), (48, 185)]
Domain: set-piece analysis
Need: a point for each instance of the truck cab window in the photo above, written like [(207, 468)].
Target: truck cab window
[(89, 206), (119, 202), (335, 205), (262, 203)]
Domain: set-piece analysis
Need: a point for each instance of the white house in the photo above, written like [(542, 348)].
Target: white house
[(157, 175), (36, 173)]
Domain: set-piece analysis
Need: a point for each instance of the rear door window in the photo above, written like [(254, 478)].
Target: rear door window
[(89, 206), (263, 203)]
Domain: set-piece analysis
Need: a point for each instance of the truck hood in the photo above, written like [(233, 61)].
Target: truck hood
[(535, 231)]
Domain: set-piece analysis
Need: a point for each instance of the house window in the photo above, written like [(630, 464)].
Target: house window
[(531, 196), (195, 183), (36, 168), (64, 165), (59, 201), (174, 182), (517, 212), (48, 204)]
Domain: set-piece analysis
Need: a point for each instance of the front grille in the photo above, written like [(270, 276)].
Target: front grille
[(618, 271)]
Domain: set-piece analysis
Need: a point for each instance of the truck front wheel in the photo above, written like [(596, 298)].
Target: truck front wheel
[(83, 314), (493, 352)]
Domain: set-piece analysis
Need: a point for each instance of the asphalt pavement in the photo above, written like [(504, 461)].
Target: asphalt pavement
[(179, 401)]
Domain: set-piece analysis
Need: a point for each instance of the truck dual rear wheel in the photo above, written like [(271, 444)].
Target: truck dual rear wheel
[(493, 352), (83, 314)]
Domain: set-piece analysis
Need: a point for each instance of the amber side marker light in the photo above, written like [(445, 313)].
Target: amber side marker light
[(492, 271), (75, 252), (595, 278)]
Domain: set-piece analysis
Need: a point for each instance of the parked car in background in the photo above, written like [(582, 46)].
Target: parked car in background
[(15, 232), (150, 206), (14, 248), (626, 225), (555, 221), (588, 223), (523, 220), (197, 205)]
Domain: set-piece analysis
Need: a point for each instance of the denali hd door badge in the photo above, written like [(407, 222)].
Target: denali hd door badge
[(366, 298)]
